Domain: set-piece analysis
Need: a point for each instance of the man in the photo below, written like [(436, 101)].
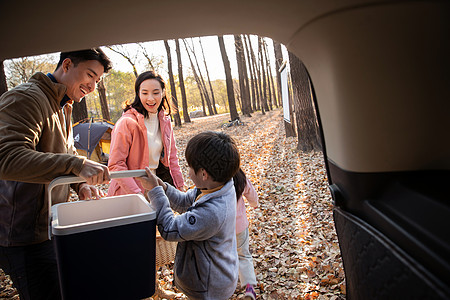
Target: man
[(36, 146)]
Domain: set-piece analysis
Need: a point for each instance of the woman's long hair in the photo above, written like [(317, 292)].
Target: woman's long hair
[(136, 104)]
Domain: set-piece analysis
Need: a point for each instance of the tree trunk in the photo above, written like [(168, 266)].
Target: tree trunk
[(173, 90), (242, 75), (202, 97), (209, 80), (267, 68), (103, 101), (246, 81), (270, 76), (200, 82), (229, 81), (251, 74), (258, 79), (263, 72), (3, 85), (79, 111), (208, 100), (180, 78), (278, 64), (307, 126), (197, 80)]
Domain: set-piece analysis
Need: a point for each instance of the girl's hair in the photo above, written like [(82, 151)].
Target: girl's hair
[(136, 104), (240, 181)]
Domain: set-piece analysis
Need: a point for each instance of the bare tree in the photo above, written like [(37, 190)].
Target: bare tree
[(202, 81), (229, 81), (131, 58), (242, 72), (269, 75), (20, 70), (103, 101), (147, 56), (209, 80), (265, 61), (197, 80), (182, 88), (3, 85), (198, 77), (307, 125), (264, 106), (173, 90), (278, 64), (246, 81), (257, 77), (251, 74)]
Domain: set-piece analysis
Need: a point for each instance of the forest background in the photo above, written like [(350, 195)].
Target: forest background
[(296, 249), (236, 74), (132, 59)]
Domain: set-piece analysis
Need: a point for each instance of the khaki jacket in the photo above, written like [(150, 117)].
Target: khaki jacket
[(36, 146)]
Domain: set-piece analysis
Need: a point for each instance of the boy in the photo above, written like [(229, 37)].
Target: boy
[(206, 261)]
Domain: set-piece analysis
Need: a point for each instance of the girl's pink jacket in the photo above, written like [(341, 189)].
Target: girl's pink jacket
[(241, 215), (129, 151)]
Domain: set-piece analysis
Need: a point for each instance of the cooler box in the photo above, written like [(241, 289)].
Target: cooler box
[(105, 248)]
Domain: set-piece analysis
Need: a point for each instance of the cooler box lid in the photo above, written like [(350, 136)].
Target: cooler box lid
[(81, 216)]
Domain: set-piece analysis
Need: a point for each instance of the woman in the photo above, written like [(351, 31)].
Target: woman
[(143, 137)]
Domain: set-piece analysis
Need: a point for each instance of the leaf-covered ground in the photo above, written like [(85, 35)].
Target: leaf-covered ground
[(292, 236)]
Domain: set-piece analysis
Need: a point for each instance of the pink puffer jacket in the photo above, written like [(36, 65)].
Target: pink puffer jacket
[(129, 151)]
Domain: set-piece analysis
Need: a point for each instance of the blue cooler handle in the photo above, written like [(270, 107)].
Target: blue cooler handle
[(68, 179)]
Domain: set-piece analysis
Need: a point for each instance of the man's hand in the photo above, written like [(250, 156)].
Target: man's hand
[(94, 173), (86, 192)]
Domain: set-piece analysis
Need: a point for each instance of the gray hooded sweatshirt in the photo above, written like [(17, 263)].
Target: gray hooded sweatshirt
[(206, 261)]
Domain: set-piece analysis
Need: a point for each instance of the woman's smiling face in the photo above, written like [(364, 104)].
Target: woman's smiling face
[(151, 94)]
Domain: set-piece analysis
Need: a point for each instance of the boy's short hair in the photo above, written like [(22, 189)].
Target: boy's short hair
[(87, 54), (216, 152)]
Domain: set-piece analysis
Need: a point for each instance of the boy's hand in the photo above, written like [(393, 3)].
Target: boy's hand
[(150, 181)]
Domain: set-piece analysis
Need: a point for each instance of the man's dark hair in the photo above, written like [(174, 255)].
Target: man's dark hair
[(216, 152), (137, 104), (88, 54)]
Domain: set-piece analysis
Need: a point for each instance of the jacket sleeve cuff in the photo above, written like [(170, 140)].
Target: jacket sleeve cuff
[(78, 165)]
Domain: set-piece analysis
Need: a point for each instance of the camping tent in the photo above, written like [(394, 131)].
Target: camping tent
[(93, 138)]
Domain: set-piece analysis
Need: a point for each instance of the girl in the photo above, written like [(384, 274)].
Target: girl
[(244, 188)]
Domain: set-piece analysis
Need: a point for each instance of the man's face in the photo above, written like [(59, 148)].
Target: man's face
[(81, 80)]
